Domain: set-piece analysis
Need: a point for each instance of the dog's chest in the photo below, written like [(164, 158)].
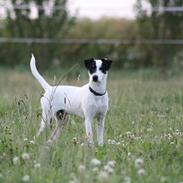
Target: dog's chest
[(98, 104)]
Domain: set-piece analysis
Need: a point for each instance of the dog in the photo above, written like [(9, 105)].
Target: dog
[(88, 101)]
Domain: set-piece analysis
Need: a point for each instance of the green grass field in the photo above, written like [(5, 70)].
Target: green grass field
[(144, 128)]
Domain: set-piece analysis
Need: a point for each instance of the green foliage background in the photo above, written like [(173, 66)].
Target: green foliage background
[(157, 25)]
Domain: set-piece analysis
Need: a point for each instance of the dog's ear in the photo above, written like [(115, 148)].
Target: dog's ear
[(88, 62), (106, 63)]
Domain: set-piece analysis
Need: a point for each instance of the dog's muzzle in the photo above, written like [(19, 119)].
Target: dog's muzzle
[(95, 78)]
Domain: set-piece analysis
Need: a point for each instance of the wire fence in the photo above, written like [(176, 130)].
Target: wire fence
[(160, 50), (168, 9), (29, 6), (90, 41)]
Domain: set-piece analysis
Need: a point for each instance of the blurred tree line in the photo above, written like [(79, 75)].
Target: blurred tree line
[(52, 21), (58, 24), (160, 24)]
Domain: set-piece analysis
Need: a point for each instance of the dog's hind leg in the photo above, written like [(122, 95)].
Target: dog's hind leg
[(45, 121), (61, 120), (46, 114)]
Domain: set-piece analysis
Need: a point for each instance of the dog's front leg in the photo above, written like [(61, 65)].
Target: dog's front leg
[(89, 133), (100, 129)]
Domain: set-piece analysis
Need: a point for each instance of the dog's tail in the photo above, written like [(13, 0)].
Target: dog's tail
[(36, 74)]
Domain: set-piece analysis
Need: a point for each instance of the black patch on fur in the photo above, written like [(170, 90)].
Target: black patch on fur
[(61, 114), (90, 64), (106, 64)]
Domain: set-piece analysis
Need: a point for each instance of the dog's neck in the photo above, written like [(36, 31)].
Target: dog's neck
[(99, 88)]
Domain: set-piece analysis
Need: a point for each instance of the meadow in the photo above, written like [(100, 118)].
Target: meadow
[(143, 132)]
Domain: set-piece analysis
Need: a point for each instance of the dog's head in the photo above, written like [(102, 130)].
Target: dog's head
[(98, 69)]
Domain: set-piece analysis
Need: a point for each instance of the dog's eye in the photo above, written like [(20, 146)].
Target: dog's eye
[(93, 65), (92, 68), (102, 69)]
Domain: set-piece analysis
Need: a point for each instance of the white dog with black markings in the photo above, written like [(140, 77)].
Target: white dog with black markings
[(88, 101)]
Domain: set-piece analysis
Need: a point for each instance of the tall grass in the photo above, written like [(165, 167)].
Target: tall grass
[(145, 122)]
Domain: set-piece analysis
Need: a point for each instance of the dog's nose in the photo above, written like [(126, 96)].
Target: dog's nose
[(95, 78)]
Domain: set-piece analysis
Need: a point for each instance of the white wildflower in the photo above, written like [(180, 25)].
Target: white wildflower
[(25, 156), (141, 172), (32, 142), (118, 143), (111, 163), (169, 136), (95, 162), (37, 165), (81, 169), (139, 163), (110, 141), (95, 169), (128, 133), (129, 154), (16, 160), (49, 142), (103, 176), (26, 178), (25, 139), (75, 140), (123, 144), (127, 179), (108, 169)]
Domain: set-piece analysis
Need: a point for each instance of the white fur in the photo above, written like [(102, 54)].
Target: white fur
[(74, 100)]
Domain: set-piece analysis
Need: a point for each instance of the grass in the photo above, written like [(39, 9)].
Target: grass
[(145, 121)]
